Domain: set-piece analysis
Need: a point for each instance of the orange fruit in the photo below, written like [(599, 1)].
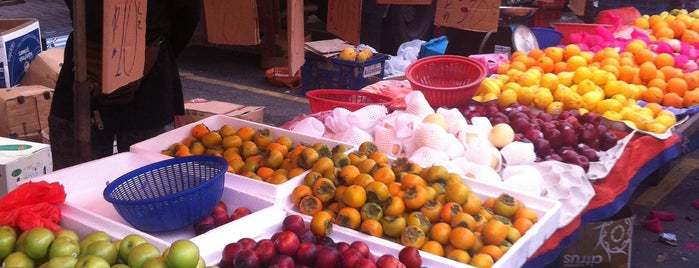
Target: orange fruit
[(663, 59), (545, 63), (575, 62), (691, 98), (657, 82), (690, 36), (678, 27), (641, 22), (555, 53), (535, 53), (518, 65), (626, 73), (692, 80), (502, 69), (672, 99), (570, 50), (635, 45), (677, 85), (647, 71), (661, 32), (643, 55), (670, 72), (653, 94), (560, 66)]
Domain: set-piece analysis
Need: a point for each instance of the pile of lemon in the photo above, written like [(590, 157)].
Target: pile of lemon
[(607, 82)]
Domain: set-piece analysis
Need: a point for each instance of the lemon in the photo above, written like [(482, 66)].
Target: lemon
[(667, 120), (656, 128), (549, 80), (612, 115), (529, 78), (555, 108), (608, 105), (585, 86), (525, 95), (581, 73), (507, 97), (542, 98), (566, 78), (601, 77), (511, 85), (591, 98), (572, 101), (620, 98), (612, 88)]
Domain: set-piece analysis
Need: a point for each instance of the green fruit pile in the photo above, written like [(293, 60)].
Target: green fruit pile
[(41, 247)]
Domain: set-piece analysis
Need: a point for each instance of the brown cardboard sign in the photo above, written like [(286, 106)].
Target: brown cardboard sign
[(232, 22), (344, 19), (474, 15), (124, 44), (295, 32), (577, 6), (405, 2)]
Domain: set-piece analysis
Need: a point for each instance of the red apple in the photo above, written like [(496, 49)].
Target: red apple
[(518, 124), (221, 206), (246, 258), (306, 235), (591, 154), (570, 138), (204, 225), (327, 257), (533, 134), (325, 241), (553, 135), (546, 117), (609, 140), (283, 261), (342, 246), (239, 213), (350, 257), (361, 247), (248, 242), (229, 252), (410, 256), (365, 263), (265, 251), (554, 157), (592, 117), (542, 147), (220, 217), (389, 261), (286, 243), (582, 161), (293, 223), (306, 253)]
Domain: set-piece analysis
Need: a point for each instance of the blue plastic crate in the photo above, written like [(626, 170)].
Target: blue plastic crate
[(649, 7), (319, 72)]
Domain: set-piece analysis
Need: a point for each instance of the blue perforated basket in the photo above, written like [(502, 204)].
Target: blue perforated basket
[(170, 194)]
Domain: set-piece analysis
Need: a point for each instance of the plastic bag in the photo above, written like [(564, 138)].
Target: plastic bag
[(33, 204), (407, 53)]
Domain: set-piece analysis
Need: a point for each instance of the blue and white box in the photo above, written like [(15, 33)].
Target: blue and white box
[(20, 43)]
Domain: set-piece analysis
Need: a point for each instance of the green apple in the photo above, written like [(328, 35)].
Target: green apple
[(19, 245), (68, 234), (18, 259), (104, 249), (98, 236), (8, 239), (90, 261), (84, 244), (37, 242), (183, 254), (159, 262), (120, 265), (62, 262), (128, 243), (201, 263), (64, 246), (141, 254)]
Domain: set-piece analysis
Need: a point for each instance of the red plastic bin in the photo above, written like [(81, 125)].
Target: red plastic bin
[(555, 3), (352, 100), (448, 81)]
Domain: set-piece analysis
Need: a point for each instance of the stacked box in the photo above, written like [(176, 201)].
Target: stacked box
[(20, 43), (24, 111), (20, 161)]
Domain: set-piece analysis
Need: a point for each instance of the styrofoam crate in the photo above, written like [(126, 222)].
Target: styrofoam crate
[(86, 210), (546, 209), (155, 145)]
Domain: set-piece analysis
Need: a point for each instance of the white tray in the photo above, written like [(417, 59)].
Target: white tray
[(156, 144), (548, 210), (85, 209)]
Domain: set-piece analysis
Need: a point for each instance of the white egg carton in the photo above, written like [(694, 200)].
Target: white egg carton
[(548, 210), (156, 144), (85, 209)]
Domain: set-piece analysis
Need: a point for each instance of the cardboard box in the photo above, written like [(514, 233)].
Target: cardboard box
[(44, 68), (20, 161), (195, 111), (20, 43), (602, 244), (24, 110)]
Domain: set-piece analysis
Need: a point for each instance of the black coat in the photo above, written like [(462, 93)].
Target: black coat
[(160, 97)]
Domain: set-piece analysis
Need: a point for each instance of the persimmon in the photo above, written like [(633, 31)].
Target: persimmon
[(371, 227), (522, 225), (349, 173), (492, 250), (410, 180), (323, 164), (432, 210), (199, 130), (279, 147), (322, 223), (482, 260), (246, 133), (348, 217), (394, 206), (433, 247), (462, 238), (463, 219), (414, 197), (413, 236), (354, 196), (310, 205), (265, 172), (371, 211), (324, 189), (440, 232), (299, 192), (384, 175), (377, 192), (494, 232), (274, 159), (449, 210), (286, 141), (459, 255)]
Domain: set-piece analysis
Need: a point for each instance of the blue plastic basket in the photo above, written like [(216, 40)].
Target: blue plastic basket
[(547, 37), (170, 194)]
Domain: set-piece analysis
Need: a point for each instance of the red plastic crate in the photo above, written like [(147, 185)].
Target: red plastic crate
[(545, 16), (555, 3)]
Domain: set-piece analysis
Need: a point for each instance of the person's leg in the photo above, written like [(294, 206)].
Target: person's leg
[(62, 142), (126, 138)]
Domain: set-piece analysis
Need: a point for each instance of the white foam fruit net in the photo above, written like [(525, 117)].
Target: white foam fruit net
[(309, 126), (455, 119)]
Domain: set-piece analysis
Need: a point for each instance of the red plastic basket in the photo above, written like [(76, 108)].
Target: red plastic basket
[(570, 28), (328, 99), (555, 3), (446, 80)]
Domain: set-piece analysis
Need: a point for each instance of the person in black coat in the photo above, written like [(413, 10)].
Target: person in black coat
[(171, 23)]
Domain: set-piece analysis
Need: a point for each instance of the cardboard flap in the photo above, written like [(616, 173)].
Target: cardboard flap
[(480, 16), (231, 22), (405, 2), (10, 26), (344, 19)]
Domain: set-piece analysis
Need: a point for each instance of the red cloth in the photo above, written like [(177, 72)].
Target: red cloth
[(638, 152), (33, 204)]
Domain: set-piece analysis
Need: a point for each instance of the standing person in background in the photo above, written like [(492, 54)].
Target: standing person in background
[(169, 23)]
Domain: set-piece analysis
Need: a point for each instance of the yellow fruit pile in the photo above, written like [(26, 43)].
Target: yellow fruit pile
[(428, 208), (352, 54), (606, 82), (679, 24), (253, 153)]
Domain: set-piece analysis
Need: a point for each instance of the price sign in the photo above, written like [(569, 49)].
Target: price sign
[(123, 50), (474, 15)]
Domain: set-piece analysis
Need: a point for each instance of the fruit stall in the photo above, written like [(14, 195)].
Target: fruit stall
[(460, 164)]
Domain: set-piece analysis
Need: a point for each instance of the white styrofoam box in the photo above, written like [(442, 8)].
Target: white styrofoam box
[(85, 208), (275, 192), (21, 160), (547, 210)]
